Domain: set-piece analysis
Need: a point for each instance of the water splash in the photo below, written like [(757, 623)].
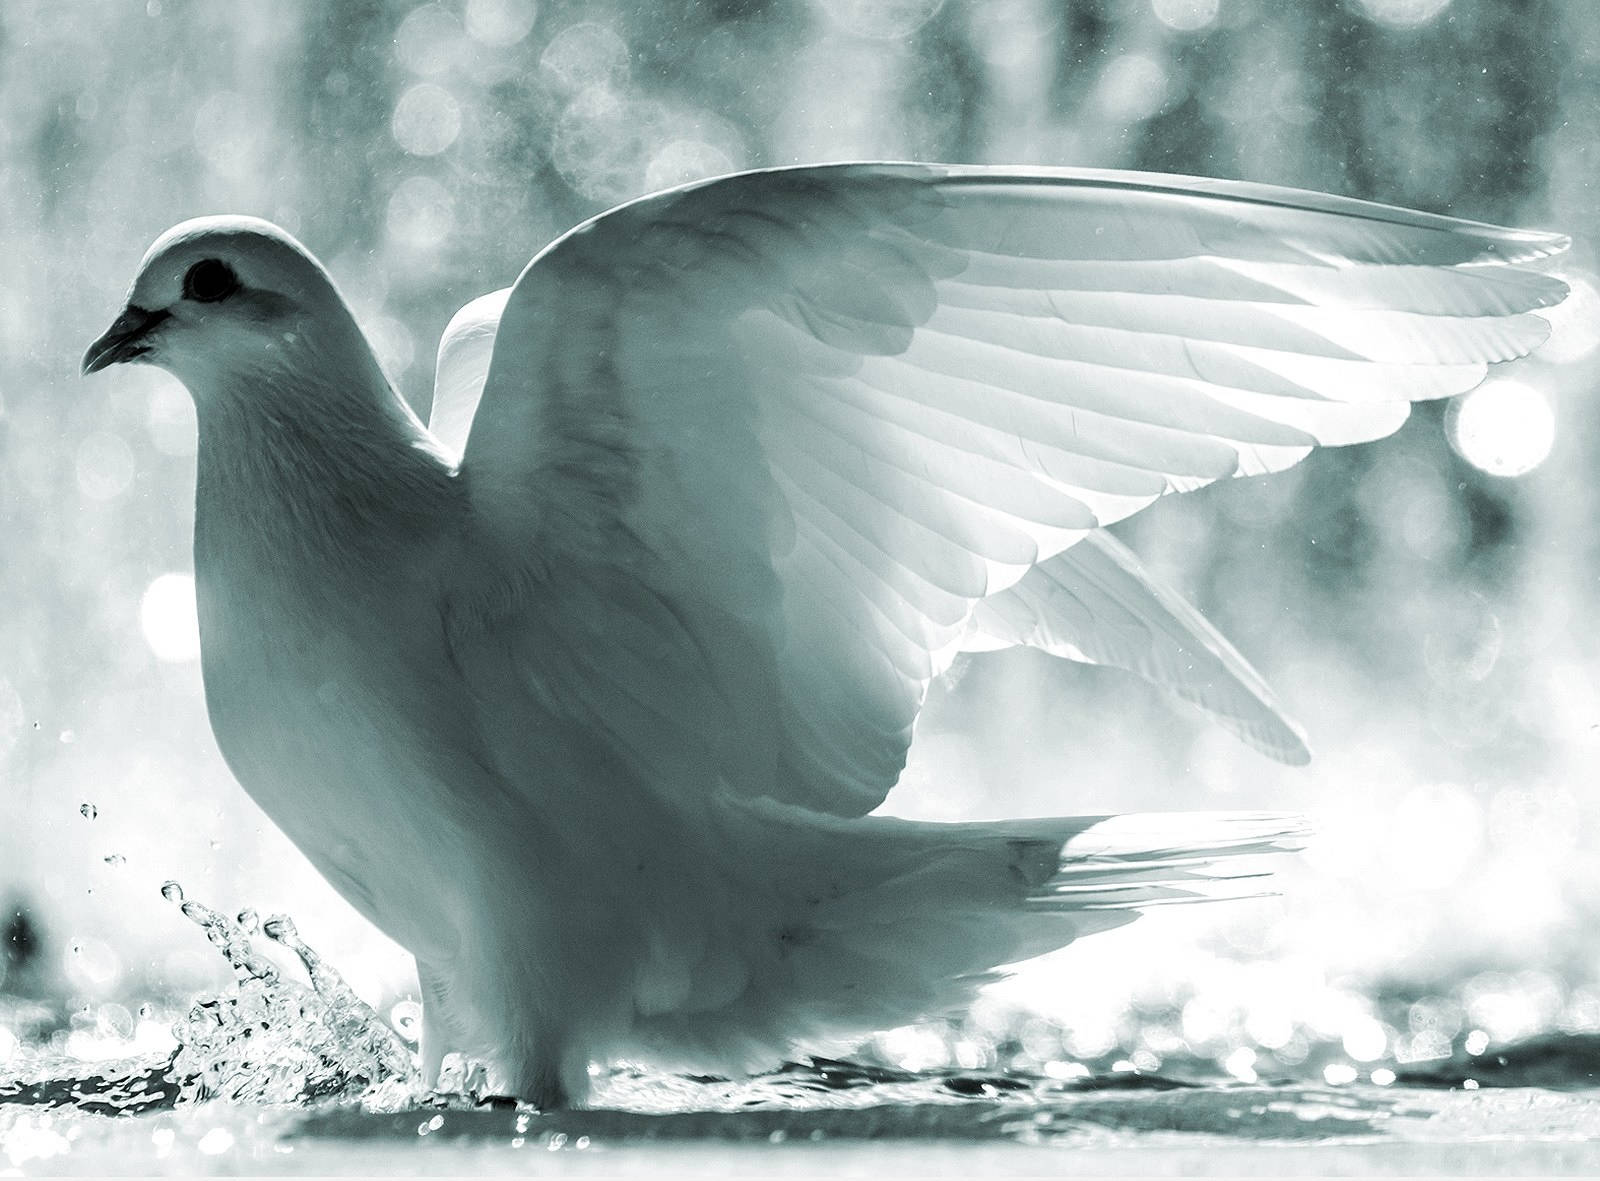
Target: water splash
[(271, 1039), (267, 1039)]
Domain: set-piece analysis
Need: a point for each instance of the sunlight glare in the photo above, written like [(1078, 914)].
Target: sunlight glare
[(1505, 428), (167, 618)]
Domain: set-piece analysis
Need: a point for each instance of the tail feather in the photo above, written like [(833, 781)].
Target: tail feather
[(971, 897), (914, 918)]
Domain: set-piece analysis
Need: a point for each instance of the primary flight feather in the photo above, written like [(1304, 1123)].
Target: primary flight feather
[(583, 694)]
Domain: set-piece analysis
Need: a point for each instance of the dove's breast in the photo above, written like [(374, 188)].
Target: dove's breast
[(329, 688), (338, 723)]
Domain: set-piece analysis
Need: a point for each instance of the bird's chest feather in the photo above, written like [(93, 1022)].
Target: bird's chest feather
[(332, 701)]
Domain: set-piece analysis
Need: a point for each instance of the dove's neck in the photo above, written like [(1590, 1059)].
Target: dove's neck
[(314, 462)]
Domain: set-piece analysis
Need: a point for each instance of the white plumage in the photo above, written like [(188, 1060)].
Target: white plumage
[(583, 695)]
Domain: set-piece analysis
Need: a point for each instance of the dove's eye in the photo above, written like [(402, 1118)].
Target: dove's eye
[(209, 280)]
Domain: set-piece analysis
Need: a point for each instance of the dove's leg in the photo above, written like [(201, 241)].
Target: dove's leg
[(440, 1032), (539, 1082), (530, 1069)]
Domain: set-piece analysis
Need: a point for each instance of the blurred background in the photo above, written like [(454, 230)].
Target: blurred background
[(1421, 604)]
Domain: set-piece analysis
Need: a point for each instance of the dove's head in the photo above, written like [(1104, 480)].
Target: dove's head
[(226, 302)]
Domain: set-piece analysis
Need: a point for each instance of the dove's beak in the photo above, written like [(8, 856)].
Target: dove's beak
[(124, 340)]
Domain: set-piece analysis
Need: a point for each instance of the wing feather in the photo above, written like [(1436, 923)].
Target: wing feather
[(1097, 604), (763, 453)]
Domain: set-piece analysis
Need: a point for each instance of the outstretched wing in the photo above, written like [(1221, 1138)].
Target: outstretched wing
[(758, 446), (1094, 603)]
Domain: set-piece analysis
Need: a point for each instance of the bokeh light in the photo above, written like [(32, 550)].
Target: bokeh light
[(168, 618), (500, 22), (1504, 427), (683, 160), (584, 55), (12, 717), (1133, 87), (881, 20), (392, 343), (227, 132), (426, 120), (169, 419), (104, 466), (1186, 16), (421, 213), (1403, 14), (428, 41)]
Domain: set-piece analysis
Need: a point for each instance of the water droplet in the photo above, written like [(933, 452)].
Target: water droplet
[(261, 969), (115, 859), (280, 927), (172, 892), (88, 811), (249, 920), (406, 1017)]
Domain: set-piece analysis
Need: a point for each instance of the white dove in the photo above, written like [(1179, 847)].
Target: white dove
[(584, 695)]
